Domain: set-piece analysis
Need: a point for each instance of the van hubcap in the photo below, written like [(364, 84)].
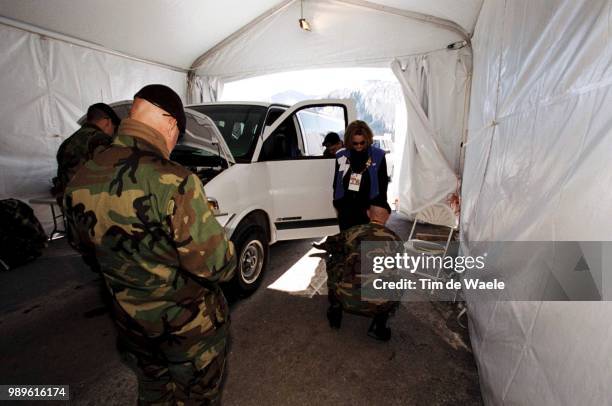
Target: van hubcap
[(251, 261)]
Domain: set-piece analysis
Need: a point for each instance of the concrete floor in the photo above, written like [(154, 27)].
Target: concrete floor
[(56, 330)]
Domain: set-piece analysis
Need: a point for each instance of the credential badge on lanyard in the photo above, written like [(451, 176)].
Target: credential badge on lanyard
[(355, 180)]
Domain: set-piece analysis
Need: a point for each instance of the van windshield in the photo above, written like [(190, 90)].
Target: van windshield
[(239, 125)]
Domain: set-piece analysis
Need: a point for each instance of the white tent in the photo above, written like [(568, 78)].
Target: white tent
[(531, 156), (537, 169)]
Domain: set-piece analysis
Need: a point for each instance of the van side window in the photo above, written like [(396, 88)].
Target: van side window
[(273, 115), (316, 122), (282, 144), (301, 135)]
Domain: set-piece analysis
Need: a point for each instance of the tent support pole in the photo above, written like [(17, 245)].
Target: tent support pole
[(426, 18)]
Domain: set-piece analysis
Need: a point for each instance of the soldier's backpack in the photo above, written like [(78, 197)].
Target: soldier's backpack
[(22, 238)]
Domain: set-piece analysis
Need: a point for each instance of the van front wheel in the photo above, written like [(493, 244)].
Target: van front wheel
[(252, 252)]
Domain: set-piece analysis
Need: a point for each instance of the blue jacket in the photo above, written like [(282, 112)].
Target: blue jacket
[(342, 159)]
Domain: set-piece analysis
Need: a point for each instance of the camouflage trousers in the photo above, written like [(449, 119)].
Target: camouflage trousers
[(352, 303), (173, 383), (349, 298)]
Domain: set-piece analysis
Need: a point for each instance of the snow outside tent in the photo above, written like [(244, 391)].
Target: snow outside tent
[(506, 100)]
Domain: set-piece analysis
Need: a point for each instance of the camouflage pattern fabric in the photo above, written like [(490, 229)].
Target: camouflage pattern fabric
[(343, 265), (147, 223), (74, 152), (22, 237)]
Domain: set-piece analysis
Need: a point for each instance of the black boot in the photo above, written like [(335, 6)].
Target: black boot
[(334, 315), (378, 329)]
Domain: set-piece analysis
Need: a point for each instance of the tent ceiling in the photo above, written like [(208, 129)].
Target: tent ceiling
[(173, 32), (343, 34), (176, 32)]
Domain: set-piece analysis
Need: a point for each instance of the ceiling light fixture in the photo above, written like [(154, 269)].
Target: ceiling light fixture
[(305, 25)]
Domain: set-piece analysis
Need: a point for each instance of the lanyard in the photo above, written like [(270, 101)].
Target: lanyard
[(367, 165)]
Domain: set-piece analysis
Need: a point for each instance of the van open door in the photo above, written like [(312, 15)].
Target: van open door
[(300, 178)]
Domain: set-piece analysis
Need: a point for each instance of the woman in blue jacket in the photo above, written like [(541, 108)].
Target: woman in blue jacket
[(360, 179)]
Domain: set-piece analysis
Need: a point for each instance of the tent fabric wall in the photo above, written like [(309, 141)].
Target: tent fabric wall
[(435, 86), (537, 168), (47, 85), (203, 89)]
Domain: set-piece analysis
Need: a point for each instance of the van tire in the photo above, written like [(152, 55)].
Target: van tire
[(252, 253)]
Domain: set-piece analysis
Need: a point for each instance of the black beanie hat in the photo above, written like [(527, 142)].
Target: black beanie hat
[(330, 139), (105, 109), (167, 100)]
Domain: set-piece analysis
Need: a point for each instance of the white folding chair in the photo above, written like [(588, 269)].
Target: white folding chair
[(438, 214), (55, 215)]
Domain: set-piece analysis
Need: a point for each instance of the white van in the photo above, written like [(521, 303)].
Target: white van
[(263, 171)]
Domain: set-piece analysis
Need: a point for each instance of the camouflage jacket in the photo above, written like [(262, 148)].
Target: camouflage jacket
[(343, 264), (75, 151), (155, 239)]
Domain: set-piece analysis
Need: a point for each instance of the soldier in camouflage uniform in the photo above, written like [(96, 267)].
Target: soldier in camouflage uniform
[(79, 147), (345, 278), (161, 251)]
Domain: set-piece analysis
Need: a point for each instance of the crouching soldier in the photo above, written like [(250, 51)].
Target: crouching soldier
[(344, 277)]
